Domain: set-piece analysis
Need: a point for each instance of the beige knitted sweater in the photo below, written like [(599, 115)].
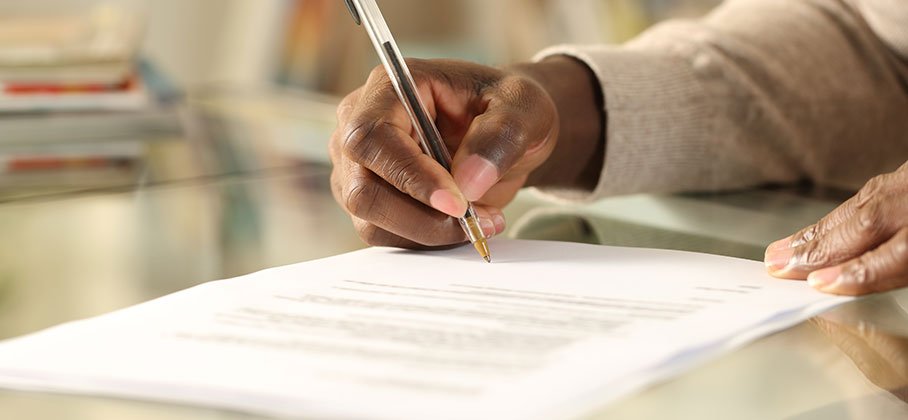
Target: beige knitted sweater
[(758, 91)]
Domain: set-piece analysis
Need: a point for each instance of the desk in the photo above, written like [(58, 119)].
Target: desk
[(77, 253)]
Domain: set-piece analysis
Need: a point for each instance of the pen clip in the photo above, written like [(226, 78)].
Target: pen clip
[(352, 8)]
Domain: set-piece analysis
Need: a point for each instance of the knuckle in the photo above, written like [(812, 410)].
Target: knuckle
[(901, 245), (859, 274), (356, 143), (345, 105), (872, 218), (815, 253), (360, 197), (872, 189), (377, 84), (806, 235), (871, 271), (377, 72), (404, 173)]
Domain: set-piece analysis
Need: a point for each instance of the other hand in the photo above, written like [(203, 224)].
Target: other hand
[(861, 247)]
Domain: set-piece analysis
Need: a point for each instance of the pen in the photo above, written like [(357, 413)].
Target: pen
[(366, 13)]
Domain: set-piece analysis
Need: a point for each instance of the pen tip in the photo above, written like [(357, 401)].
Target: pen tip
[(488, 258)]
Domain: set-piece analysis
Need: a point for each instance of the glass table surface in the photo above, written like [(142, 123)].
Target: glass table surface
[(232, 203)]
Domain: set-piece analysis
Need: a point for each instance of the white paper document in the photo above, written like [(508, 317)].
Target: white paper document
[(548, 330)]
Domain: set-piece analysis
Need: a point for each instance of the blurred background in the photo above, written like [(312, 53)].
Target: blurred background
[(85, 84), (313, 44)]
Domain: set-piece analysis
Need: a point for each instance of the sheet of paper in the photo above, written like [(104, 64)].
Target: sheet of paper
[(549, 330)]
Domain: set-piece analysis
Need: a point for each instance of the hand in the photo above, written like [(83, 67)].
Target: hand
[(859, 248), (501, 126)]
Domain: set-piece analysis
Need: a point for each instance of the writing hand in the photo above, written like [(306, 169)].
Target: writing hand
[(501, 126)]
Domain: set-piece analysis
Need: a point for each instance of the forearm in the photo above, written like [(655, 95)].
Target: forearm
[(760, 91)]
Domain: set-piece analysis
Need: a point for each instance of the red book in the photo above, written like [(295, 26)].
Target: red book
[(62, 89)]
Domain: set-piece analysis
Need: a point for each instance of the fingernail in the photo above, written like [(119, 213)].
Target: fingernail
[(475, 176), (822, 279), (488, 227), (777, 259), (780, 244), (499, 222), (447, 203)]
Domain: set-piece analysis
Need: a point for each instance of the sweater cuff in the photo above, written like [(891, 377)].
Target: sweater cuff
[(655, 108)]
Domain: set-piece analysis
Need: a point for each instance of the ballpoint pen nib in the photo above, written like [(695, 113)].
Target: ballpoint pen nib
[(483, 248)]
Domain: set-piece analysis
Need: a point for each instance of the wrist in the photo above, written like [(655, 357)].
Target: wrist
[(576, 161)]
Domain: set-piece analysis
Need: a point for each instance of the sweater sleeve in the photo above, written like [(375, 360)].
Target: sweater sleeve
[(758, 91)]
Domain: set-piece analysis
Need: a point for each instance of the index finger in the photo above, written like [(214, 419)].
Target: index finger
[(378, 135)]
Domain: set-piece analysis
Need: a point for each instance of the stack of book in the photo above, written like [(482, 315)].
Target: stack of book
[(73, 92), (70, 62)]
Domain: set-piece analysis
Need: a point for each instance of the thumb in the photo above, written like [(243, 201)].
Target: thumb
[(513, 136)]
